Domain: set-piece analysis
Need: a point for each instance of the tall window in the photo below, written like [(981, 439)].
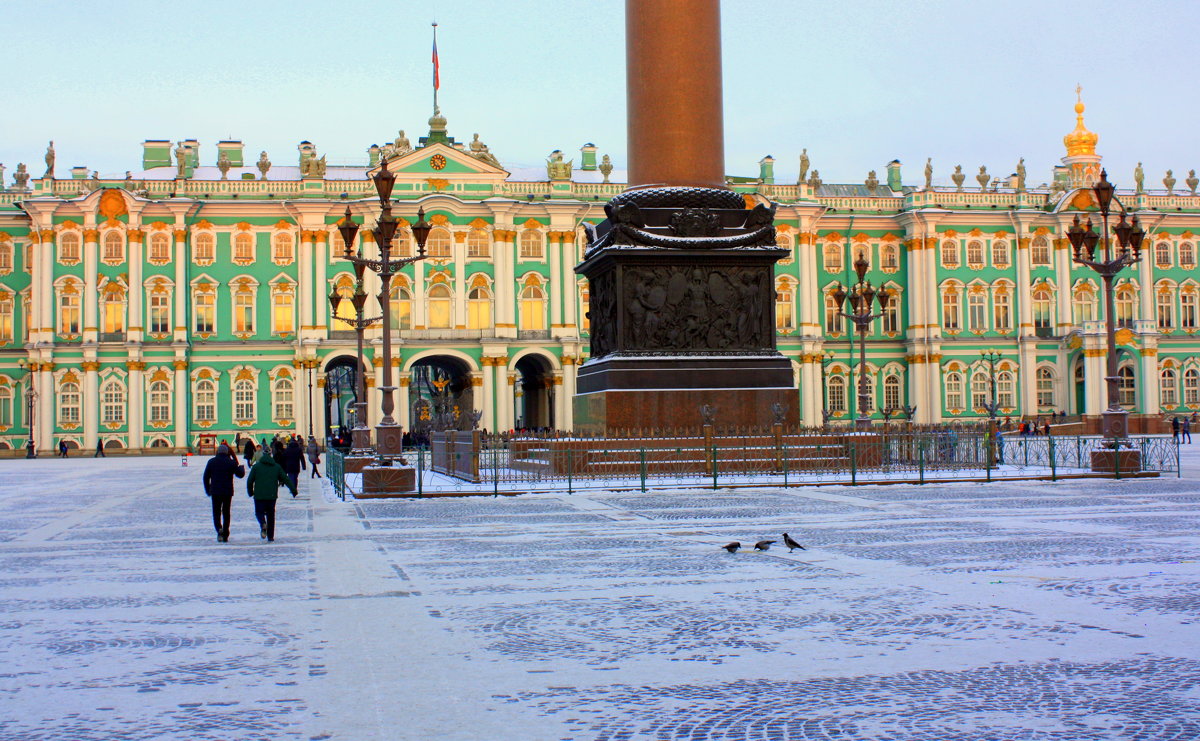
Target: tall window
[(243, 311), (402, 307), (891, 392), (890, 257), (114, 246), (1164, 303), (1045, 388), (1006, 390), (783, 309), (1039, 252), (6, 406), (533, 308), (1083, 305), (206, 400), (206, 311), (478, 244), (68, 247), (1187, 308), (980, 388), (439, 243), (1002, 309), (1191, 386), (345, 310), (1168, 387), (834, 322), (281, 248), (113, 312), (977, 310), (837, 394), (402, 243), (954, 391), (160, 247), (1043, 306), (975, 254), (204, 247), (951, 309), (6, 256), (950, 254), (160, 312), (891, 315), (284, 398), (479, 308), (1000, 254), (1126, 387), (1126, 302), (243, 247), (283, 301), (112, 402), (1187, 255), (441, 305), (68, 312), (243, 400), (160, 402), (6, 317), (1162, 254), (69, 403), (832, 257), (531, 244)]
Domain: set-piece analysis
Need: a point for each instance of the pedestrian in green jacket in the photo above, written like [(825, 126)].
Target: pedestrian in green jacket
[(263, 485)]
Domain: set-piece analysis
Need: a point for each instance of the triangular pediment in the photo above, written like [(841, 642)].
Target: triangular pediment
[(442, 162)]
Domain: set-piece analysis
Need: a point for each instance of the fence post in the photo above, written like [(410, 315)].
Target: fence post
[(1078, 451), (570, 465), (1053, 468), (853, 463), (1142, 459), (420, 472), (643, 456), (921, 461), (495, 470), (1116, 459), (714, 464), (1025, 446), (987, 461), (785, 469)]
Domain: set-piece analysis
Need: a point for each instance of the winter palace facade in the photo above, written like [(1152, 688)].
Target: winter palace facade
[(190, 296)]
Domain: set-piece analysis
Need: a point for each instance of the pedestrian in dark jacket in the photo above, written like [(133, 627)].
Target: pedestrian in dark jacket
[(314, 456), (293, 462), (263, 485), (62, 446), (277, 448), (218, 484), (248, 451), (99, 450)]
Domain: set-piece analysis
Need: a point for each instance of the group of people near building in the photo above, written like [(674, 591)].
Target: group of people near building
[(1181, 429)]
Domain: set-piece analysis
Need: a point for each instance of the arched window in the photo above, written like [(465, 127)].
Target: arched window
[(891, 315), (1162, 254), (533, 308), (980, 390), (531, 244), (1191, 386), (1006, 390), (439, 243), (585, 304), (478, 244), (160, 248), (112, 402), (1045, 389), (834, 322), (205, 299), (1083, 305), (1002, 308), (479, 308), (441, 304), (243, 400), (345, 309), (114, 246), (6, 256), (1187, 255), (283, 305), (69, 403), (837, 394), (1188, 308), (243, 248), (160, 402), (977, 310), (206, 400), (950, 254), (6, 317), (832, 257), (401, 307), (68, 310), (954, 391), (975, 254), (6, 406), (1043, 313), (1164, 303), (112, 310), (951, 309), (1039, 252), (783, 308), (784, 242), (160, 312), (402, 243), (68, 247), (1168, 387), (243, 309), (281, 248), (891, 393), (1000, 257), (1126, 386), (1126, 303), (890, 257), (284, 403), (204, 248)]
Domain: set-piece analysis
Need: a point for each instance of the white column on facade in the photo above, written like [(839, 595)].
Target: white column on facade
[(570, 285), (1145, 276), (136, 403), (418, 294), (503, 257), (46, 408), (1062, 277), (182, 292), (1024, 306), (556, 246), (459, 265), (306, 295), (90, 279), (1094, 386), (808, 292), (47, 286), (1150, 386), (570, 374), (403, 408), (559, 399), (810, 388), (488, 394), (182, 390), (90, 414), (320, 306)]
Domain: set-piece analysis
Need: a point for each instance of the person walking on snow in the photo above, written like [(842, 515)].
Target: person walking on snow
[(314, 456), (248, 451), (263, 485), (1186, 431), (293, 462), (1175, 429), (218, 485), (62, 448), (99, 450)]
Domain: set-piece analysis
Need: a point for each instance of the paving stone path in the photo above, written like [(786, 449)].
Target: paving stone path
[(1007, 611)]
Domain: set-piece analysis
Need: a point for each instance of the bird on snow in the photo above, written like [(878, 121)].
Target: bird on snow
[(791, 544), (732, 547), (763, 545)]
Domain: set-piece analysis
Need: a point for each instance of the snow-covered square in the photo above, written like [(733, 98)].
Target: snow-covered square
[(1012, 610)]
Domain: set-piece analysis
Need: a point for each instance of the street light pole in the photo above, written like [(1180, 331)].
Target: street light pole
[(31, 395), (862, 298), (991, 355), (1129, 243), (826, 359), (361, 434)]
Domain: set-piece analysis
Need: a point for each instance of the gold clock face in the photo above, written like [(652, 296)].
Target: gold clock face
[(437, 161)]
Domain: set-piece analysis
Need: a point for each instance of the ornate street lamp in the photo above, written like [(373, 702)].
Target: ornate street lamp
[(991, 355), (826, 358), (31, 396), (388, 435), (1083, 240), (862, 299), (361, 434)]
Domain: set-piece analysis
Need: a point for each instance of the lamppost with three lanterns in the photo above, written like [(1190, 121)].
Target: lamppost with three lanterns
[(862, 298)]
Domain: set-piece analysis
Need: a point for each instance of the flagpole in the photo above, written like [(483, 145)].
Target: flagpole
[(435, 70)]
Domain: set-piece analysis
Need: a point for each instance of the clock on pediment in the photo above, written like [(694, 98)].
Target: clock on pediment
[(438, 162)]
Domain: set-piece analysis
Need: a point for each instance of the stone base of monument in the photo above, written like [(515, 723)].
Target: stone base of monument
[(388, 481), (1106, 461), (356, 463)]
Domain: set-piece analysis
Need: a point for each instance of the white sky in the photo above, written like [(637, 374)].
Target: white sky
[(857, 83)]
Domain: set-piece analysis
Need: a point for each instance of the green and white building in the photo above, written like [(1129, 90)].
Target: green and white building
[(191, 297)]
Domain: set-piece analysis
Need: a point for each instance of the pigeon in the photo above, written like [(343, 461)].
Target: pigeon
[(732, 547), (763, 545), (791, 544)]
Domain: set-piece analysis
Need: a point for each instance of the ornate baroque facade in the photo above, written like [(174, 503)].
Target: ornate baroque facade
[(191, 298)]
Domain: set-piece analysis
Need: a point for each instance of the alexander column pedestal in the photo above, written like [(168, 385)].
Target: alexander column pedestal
[(682, 314)]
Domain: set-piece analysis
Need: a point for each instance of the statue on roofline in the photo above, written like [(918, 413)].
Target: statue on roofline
[(958, 177), (928, 173), (983, 178), (224, 164), (1021, 176), (480, 151), (264, 165), (21, 177), (1169, 182), (803, 166), (1139, 179), (1192, 181), (402, 145), (606, 167), (814, 180), (180, 161), (50, 160), (556, 168)]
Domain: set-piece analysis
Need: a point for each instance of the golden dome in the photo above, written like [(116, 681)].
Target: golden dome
[(1080, 141)]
